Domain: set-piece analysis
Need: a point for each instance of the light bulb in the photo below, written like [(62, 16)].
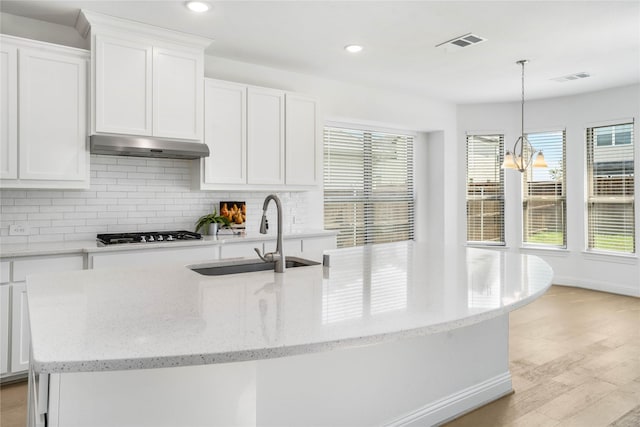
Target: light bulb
[(508, 162), (198, 6), (353, 48)]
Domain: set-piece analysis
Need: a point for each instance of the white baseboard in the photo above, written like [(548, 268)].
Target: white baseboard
[(456, 404), (596, 286)]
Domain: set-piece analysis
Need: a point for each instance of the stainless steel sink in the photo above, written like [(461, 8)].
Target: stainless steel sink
[(221, 268)]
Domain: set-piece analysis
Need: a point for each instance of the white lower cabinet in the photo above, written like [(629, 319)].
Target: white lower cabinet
[(14, 314), (305, 247), (291, 247), (20, 333), (240, 250), (5, 297), (153, 257)]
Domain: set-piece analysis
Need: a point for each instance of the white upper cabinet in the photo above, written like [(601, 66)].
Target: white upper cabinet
[(225, 132), (265, 136), (123, 86), (52, 92), (177, 94), (44, 115), (301, 137), (9, 111), (259, 139), (148, 80)]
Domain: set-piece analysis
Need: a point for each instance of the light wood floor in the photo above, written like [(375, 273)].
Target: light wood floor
[(575, 361), (574, 356)]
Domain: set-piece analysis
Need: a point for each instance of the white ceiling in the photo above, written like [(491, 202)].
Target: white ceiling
[(558, 37)]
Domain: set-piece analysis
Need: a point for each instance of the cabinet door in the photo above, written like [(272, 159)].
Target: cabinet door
[(52, 123), (240, 250), (291, 247), (8, 111), (20, 333), (155, 257), (123, 73), (300, 141), (225, 132), (265, 136), (4, 328), (177, 94)]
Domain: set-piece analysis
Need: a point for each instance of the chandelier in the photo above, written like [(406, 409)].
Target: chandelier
[(523, 153)]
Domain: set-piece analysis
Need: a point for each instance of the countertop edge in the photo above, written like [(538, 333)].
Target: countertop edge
[(81, 247), (276, 352)]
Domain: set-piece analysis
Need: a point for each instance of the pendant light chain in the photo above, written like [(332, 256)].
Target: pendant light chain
[(522, 104), (516, 159)]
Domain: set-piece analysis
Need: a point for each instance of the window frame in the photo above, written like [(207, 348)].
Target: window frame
[(367, 230), (563, 197), (591, 200), (500, 197)]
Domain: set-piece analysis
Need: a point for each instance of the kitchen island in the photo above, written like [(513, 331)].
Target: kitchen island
[(386, 334)]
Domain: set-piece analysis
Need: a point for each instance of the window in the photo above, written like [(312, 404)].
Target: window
[(544, 199), (485, 189), (610, 197), (368, 186)]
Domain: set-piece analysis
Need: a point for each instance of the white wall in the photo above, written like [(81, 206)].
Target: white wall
[(39, 30), (574, 266)]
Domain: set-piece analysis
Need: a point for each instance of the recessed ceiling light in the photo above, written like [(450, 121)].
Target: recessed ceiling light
[(198, 6), (353, 48)]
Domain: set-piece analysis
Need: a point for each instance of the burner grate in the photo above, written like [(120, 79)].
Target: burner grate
[(147, 237)]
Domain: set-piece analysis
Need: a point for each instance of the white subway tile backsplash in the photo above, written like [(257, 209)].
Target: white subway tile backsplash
[(31, 202), (69, 202), (45, 216), (128, 195), (80, 215), (19, 209)]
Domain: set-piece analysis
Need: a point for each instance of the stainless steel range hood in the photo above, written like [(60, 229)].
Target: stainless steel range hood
[(140, 146)]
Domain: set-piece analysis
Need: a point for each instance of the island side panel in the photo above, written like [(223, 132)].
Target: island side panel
[(212, 395), (421, 381), (412, 381)]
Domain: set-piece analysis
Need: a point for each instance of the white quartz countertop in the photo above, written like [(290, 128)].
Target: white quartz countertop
[(11, 250), (149, 318)]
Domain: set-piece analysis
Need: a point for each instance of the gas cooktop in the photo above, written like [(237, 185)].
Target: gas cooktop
[(147, 237)]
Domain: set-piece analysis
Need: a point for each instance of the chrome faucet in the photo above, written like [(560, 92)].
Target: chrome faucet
[(278, 255)]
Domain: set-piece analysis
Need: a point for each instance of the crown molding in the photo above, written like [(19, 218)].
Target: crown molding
[(89, 21)]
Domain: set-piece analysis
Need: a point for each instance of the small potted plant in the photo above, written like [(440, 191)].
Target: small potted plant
[(211, 222)]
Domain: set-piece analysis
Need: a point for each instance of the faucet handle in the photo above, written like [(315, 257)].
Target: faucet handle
[(268, 257), (260, 255)]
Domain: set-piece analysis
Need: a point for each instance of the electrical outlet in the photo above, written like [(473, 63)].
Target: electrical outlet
[(18, 230)]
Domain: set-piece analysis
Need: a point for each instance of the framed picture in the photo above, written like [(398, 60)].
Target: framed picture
[(235, 212)]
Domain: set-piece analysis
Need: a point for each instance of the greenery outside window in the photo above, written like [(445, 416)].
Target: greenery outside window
[(485, 189), (544, 193), (368, 186), (610, 192)]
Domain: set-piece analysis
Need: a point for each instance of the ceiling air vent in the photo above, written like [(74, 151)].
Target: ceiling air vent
[(461, 42), (570, 77)]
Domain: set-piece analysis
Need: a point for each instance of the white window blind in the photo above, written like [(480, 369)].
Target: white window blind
[(610, 202), (485, 189), (368, 186), (544, 199)]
